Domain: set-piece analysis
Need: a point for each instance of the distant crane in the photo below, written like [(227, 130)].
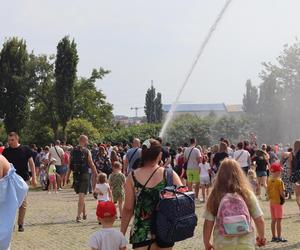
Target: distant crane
[(136, 110)]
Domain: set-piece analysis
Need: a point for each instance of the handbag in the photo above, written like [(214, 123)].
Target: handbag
[(175, 218)]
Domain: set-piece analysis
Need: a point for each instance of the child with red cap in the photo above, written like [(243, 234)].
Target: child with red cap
[(276, 197), (108, 238)]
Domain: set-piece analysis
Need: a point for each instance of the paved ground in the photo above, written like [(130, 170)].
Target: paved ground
[(50, 224)]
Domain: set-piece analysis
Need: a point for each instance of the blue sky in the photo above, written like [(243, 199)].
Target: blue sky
[(157, 40)]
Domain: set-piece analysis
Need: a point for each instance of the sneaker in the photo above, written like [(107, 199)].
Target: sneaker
[(274, 239), (21, 228), (59, 189), (280, 239), (78, 219)]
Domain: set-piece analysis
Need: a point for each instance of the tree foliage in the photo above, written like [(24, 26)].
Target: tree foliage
[(153, 106), (277, 118), (126, 134), (65, 76), (250, 100), (14, 89), (79, 126), (90, 103)]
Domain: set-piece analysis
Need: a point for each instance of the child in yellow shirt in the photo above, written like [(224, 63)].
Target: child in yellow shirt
[(276, 197)]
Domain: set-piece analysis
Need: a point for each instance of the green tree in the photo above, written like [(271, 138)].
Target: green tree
[(43, 102), (150, 105), (126, 134), (90, 103), (158, 108), (189, 126), (77, 127), (153, 106), (65, 76), (250, 99), (14, 86)]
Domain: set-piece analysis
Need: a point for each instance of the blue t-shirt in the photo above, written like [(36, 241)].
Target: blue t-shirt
[(132, 155)]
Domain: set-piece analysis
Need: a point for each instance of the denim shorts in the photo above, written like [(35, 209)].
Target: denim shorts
[(261, 173)]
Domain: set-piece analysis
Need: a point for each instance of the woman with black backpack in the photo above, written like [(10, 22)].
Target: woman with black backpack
[(142, 190)]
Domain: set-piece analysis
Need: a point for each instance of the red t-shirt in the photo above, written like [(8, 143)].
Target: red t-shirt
[(1, 149)]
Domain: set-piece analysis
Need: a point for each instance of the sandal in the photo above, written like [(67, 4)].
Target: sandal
[(84, 217), (78, 219)]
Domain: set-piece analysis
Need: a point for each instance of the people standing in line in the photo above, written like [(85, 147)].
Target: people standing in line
[(192, 158), (262, 164), (285, 173), (57, 153), (80, 161), (232, 182), (276, 198), (117, 182), (13, 190), (220, 155), (142, 189), (242, 157), (294, 170), (132, 157), (20, 156)]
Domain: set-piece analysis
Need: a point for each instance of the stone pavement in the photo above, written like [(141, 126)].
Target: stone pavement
[(50, 224)]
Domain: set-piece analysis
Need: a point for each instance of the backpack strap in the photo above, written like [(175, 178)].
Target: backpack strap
[(168, 174), (129, 160), (189, 155)]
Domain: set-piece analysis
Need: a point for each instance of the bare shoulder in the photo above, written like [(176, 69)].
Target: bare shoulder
[(4, 166)]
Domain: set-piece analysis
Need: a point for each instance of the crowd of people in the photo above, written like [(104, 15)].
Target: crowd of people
[(130, 179)]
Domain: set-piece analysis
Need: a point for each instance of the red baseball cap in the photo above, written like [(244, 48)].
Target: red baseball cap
[(275, 167), (106, 209)]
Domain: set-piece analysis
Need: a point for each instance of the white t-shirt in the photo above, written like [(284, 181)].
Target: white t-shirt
[(204, 169), (192, 158), (103, 188), (107, 239), (57, 156), (243, 159)]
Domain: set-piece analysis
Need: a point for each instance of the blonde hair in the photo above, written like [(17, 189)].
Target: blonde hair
[(101, 178), (229, 179), (117, 165)]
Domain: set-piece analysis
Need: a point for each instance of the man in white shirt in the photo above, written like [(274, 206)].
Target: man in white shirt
[(243, 157)]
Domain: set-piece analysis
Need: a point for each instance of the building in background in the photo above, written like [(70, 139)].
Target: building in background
[(202, 110)]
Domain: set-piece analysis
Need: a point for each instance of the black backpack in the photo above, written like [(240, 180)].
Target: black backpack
[(175, 218), (79, 160)]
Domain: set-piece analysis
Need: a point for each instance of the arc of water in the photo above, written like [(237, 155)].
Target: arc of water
[(199, 54)]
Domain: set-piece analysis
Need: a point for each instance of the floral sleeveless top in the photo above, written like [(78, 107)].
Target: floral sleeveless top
[(146, 202)]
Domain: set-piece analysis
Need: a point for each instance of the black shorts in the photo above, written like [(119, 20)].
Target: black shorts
[(159, 243), (81, 183)]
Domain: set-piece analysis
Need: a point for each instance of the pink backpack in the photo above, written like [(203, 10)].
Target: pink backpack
[(233, 218)]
